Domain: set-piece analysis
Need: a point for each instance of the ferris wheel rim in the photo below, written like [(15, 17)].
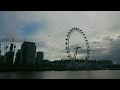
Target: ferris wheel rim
[(68, 46)]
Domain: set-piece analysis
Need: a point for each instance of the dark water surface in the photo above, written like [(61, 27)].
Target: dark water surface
[(94, 74)]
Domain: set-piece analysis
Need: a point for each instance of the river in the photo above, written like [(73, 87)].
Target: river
[(93, 74)]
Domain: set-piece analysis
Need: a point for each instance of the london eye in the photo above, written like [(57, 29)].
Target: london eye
[(68, 50)]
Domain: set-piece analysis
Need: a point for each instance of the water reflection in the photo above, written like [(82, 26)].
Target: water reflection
[(96, 74), (18, 75), (25, 75)]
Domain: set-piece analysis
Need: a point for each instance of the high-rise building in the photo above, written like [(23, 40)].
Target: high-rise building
[(10, 55), (2, 59), (28, 51), (18, 57), (40, 57)]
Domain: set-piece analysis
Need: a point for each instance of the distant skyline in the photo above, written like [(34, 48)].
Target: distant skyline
[(48, 29)]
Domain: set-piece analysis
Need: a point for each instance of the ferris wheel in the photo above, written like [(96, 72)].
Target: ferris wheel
[(68, 51)]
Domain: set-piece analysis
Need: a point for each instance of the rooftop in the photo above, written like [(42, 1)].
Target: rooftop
[(28, 42)]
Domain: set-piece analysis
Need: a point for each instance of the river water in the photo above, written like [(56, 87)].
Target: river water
[(94, 74)]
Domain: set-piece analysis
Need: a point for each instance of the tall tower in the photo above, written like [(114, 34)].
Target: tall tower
[(28, 51), (18, 57), (40, 57), (10, 55), (11, 48)]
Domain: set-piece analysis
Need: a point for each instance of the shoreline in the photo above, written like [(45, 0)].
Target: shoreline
[(28, 70), (32, 68)]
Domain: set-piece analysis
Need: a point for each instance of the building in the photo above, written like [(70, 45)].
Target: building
[(18, 57), (104, 63), (28, 51), (2, 59), (40, 57), (10, 55)]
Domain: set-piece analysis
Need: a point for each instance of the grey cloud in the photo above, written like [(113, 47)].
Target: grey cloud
[(41, 44), (93, 49), (114, 21), (112, 51)]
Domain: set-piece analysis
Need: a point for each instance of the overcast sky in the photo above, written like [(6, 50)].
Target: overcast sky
[(49, 29)]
